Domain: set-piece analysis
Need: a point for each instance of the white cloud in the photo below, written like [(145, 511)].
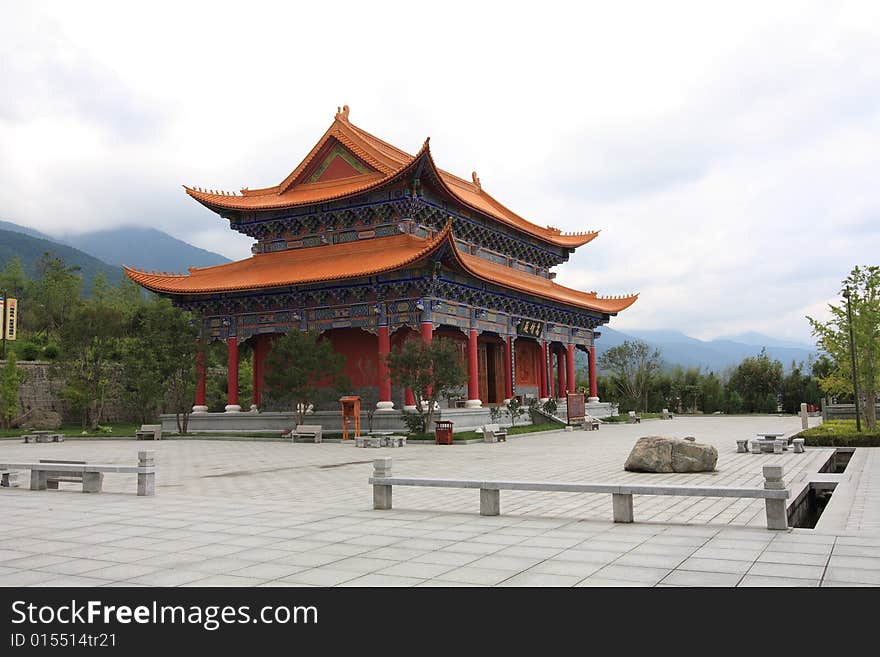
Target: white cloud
[(727, 152)]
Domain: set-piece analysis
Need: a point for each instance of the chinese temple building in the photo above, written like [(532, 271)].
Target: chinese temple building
[(373, 246)]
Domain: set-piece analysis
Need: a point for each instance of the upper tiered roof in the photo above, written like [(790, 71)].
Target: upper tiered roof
[(357, 259), (348, 160)]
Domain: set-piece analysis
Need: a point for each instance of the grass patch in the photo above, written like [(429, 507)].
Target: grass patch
[(839, 433), (115, 430)]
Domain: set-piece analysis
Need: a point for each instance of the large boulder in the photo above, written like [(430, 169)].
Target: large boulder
[(660, 454)]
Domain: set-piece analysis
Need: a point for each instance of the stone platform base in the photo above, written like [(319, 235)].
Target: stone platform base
[(463, 419)]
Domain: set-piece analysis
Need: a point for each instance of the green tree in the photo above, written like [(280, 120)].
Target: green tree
[(431, 371), (56, 294), (633, 367), (833, 337), (302, 370), (794, 388), (157, 356), (10, 385), (713, 393), (755, 380), (90, 342)]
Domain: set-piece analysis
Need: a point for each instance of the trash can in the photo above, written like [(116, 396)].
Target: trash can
[(443, 432)]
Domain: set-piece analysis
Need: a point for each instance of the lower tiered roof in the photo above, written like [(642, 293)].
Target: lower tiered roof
[(356, 260)]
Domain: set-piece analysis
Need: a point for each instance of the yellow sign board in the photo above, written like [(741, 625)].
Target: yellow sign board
[(11, 315)]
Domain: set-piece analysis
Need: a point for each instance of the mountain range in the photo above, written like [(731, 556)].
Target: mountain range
[(716, 355), (104, 251), (151, 249)]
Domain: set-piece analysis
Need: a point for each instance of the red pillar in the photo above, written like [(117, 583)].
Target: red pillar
[(385, 403), (594, 388), (542, 372), (569, 368), (473, 400), (200, 382), (257, 383), (560, 370), (232, 375), (508, 367), (427, 336)]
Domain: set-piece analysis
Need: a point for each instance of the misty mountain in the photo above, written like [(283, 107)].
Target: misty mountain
[(29, 249), (676, 348), (143, 248)]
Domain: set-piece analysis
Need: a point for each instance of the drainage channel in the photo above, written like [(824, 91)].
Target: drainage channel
[(806, 509)]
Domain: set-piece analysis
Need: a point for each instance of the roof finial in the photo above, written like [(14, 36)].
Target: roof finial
[(342, 113), (476, 180)]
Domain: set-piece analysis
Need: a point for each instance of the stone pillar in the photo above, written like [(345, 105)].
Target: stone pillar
[(569, 368), (508, 368), (490, 502), (805, 422), (384, 403), (777, 517), (622, 507), (201, 370), (147, 478), (560, 366), (232, 375), (381, 493), (594, 388), (473, 400), (543, 393)]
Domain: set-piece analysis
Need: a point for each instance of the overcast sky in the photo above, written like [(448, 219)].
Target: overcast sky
[(729, 154)]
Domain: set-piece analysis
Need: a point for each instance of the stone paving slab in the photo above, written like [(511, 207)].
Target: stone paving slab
[(270, 514)]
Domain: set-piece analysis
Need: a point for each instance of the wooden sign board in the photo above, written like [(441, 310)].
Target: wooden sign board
[(575, 404)]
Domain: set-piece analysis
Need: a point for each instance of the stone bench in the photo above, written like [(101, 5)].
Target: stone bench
[(666, 415), (313, 431), (149, 432), (493, 433), (380, 441), (774, 492), (91, 474), (591, 423), (53, 478), (8, 479), (633, 418), (43, 437)]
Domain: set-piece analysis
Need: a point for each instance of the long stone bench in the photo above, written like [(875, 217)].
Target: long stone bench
[(92, 474), (774, 492), (43, 437)]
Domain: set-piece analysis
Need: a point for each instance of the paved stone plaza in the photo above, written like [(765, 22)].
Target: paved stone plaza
[(235, 513)]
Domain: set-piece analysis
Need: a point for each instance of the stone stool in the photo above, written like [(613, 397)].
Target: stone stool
[(778, 446), (741, 446), (756, 447), (798, 445)]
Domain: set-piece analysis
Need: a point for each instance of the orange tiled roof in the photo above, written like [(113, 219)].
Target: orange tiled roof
[(385, 163), (357, 259)]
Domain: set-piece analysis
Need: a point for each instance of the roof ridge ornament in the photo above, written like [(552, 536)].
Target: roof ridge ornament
[(342, 113), (476, 180)]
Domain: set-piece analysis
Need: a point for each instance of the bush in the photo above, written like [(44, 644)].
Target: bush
[(30, 351), (839, 433), (51, 351), (414, 422)]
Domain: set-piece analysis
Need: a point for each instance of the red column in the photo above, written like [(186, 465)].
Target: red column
[(257, 383), (385, 403), (542, 372), (508, 368), (232, 375), (200, 381), (427, 336), (560, 370), (473, 400), (569, 367), (594, 388)]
